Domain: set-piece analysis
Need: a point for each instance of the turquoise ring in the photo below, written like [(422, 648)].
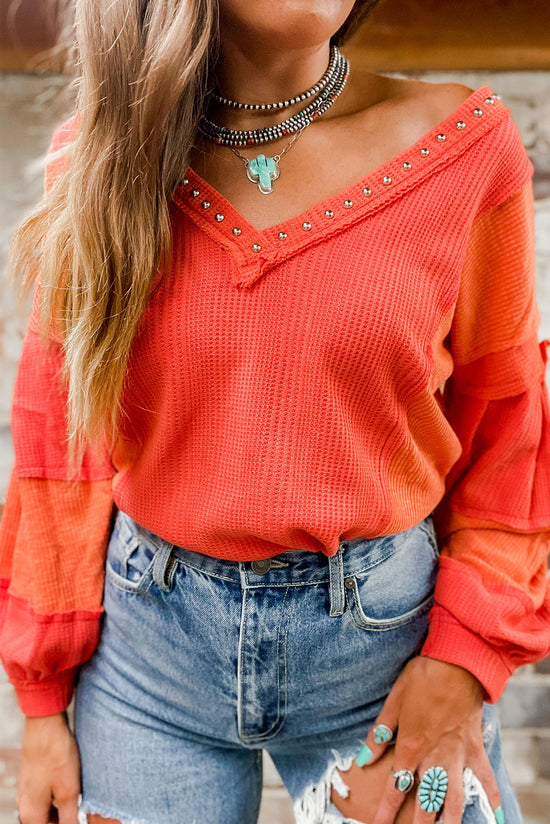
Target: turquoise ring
[(382, 734), (433, 789), (404, 780)]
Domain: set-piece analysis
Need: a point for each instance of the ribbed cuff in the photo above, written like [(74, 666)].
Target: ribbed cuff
[(39, 698), (448, 640)]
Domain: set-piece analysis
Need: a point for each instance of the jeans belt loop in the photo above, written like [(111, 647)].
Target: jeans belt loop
[(336, 578), (160, 567)]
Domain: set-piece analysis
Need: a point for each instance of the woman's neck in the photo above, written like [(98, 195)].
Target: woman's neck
[(254, 75)]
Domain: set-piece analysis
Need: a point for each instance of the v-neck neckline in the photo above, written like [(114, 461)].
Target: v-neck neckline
[(256, 250)]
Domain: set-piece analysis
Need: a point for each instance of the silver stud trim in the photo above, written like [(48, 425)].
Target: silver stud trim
[(306, 225), (236, 230), (367, 191), (195, 193), (386, 179), (478, 112), (424, 152), (348, 203), (329, 213), (282, 235), (442, 137), (498, 97), (489, 101), (461, 124), (407, 166), (205, 204), (185, 181), (256, 247), (219, 217)]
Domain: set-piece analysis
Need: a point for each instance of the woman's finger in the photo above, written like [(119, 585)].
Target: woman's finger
[(382, 733), (68, 811), (393, 798), (68, 814), (33, 810), (481, 768), (440, 789)]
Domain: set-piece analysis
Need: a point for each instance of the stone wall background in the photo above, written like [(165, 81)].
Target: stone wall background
[(30, 108)]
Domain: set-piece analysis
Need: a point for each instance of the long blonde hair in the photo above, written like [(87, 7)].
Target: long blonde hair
[(101, 233)]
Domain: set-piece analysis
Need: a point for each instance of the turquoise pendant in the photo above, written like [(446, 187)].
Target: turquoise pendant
[(433, 789), (263, 171)]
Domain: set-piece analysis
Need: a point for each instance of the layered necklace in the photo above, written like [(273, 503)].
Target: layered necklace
[(263, 170)]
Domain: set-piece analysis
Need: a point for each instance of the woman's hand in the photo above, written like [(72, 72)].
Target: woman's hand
[(49, 772), (436, 709), (366, 790)]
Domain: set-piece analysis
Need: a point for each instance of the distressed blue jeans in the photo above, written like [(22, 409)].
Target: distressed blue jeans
[(203, 663)]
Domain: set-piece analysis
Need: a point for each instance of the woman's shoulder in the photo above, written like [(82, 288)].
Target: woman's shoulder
[(402, 111), (429, 103), (496, 152), (404, 108), (435, 99)]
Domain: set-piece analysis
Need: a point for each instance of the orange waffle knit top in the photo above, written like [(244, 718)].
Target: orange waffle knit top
[(341, 374)]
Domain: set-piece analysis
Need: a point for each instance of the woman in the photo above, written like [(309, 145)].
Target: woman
[(280, 360)]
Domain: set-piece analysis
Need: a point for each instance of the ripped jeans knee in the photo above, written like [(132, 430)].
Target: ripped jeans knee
[(92, 809), (315, 805)]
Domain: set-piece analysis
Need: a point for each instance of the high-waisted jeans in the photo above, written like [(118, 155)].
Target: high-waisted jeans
[(203, 663)]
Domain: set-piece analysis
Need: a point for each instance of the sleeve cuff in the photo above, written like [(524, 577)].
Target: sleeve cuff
[(49, 697), (448, 640)]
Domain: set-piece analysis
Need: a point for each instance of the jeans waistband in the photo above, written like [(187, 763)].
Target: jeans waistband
[(294, 567)]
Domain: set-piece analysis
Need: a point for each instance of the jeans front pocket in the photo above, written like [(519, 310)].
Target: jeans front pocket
[(129, 561), (400, 588)]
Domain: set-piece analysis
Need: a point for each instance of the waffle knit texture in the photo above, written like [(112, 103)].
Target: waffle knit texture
[(355, 373)]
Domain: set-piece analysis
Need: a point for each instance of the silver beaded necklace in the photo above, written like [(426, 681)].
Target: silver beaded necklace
[(315, 89), (261, 169)]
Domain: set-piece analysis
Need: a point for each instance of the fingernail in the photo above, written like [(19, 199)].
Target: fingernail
[(364, 756), (499, 815)]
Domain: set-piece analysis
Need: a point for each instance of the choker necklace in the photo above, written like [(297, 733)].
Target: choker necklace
[(319, 86), (264, 170)]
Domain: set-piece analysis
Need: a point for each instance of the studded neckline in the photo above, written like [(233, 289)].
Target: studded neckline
[(256, 250)]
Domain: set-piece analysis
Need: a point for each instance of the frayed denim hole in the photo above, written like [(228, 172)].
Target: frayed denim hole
[(474, 792), (313, 807), (86, 808)]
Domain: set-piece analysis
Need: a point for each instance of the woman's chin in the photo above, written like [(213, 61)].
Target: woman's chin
[(298, 24)]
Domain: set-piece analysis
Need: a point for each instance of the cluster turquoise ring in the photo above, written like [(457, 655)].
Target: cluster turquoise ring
[(433, 789)]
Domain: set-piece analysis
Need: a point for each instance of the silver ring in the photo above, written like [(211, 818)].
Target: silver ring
[(404, 780)]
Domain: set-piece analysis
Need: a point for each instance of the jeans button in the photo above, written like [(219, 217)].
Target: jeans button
[(261, 566)]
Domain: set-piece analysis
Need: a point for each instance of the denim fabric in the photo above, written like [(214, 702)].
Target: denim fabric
[(202, 663)]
